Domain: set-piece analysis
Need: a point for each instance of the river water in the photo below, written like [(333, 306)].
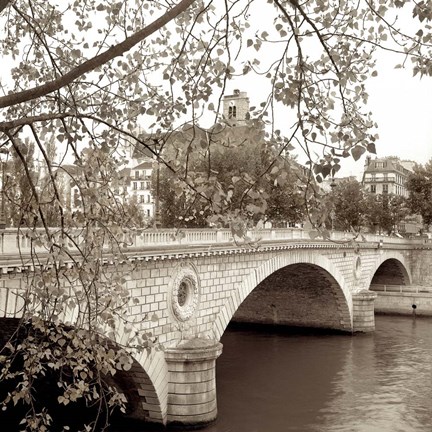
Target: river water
[(281, 381)]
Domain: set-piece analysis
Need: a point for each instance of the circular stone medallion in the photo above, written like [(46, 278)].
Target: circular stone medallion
[(184, 292)]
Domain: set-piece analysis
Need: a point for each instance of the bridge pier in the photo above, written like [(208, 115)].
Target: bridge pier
[(192, 382), (363, 311)]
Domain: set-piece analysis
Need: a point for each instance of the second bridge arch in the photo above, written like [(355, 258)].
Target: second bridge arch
[(298, 295)]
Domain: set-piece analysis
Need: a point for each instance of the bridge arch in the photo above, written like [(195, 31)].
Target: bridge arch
[(145, 385), (300, 258), (147, 381), (390, 268)]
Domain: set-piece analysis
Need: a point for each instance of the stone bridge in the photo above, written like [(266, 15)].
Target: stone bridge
[(199, 284)]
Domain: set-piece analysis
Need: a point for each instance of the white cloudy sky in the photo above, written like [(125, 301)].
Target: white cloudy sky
[(401, 105)]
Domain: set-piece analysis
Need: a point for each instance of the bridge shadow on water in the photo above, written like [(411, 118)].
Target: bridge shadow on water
[(275, 329)]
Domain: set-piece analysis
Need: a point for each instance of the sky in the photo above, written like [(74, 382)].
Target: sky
[(401, 105)]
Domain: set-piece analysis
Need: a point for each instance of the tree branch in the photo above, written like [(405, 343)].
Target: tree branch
[(5, 126), (95, 62)]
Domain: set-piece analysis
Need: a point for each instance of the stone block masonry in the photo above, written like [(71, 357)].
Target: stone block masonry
[(192, 386), (300, 295), (363, 311)]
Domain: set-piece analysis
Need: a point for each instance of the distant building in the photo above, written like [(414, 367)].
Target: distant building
[(140, 157), (236, 108), (386, 175), (142, 161), (140, 186)]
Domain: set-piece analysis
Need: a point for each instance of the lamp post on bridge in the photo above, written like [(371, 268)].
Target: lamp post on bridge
[(3, 157), (157, 220), (332, 217), (332, 212)]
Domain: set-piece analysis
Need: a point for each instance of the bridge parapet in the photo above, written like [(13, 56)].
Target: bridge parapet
[(14, 242)]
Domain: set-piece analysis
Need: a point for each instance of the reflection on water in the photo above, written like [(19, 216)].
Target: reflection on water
[(280, 382)]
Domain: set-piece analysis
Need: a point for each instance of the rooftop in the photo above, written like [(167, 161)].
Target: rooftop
[(389, 164)]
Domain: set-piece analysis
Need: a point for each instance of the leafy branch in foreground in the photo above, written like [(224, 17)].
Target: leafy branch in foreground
[(87, 77)]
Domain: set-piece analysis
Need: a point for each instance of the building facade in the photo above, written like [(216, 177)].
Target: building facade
[(386, 176), (140, 186), (389, 176)]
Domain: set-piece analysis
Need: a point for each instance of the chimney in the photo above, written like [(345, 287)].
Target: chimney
[(367, 161)]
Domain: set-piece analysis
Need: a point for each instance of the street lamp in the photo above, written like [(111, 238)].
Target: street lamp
[(332, 213), (3, 176), (332, 217), (157, 220)]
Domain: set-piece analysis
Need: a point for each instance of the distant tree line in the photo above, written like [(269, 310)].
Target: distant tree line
[(350, 208), (347, 207)]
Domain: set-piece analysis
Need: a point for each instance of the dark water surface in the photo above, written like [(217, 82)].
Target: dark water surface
[(276, 381)]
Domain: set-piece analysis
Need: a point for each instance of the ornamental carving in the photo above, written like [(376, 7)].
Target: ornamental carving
[(184, 292)]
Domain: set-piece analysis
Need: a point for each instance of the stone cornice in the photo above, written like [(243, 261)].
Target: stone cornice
[(17, 264)]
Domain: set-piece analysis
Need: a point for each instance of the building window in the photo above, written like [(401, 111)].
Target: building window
[(147, 185), (385, 188), (141, 198), (142, 185), (148, 198), (373, 178), (136, 174), (148, 212), (232, 112), (373, 189), (385, 177), (135, 185)]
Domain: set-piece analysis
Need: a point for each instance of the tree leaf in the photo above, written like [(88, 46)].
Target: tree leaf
[(357, 152)]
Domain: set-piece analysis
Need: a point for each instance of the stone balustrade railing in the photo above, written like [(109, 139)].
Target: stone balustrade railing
[(15, 242)]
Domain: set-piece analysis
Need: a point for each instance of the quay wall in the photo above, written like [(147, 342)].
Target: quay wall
[(403, 300)]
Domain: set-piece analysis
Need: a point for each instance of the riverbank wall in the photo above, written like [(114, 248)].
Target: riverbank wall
[(403, 300)]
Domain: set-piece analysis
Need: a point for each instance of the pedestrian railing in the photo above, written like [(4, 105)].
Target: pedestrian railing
[(417, 289)]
